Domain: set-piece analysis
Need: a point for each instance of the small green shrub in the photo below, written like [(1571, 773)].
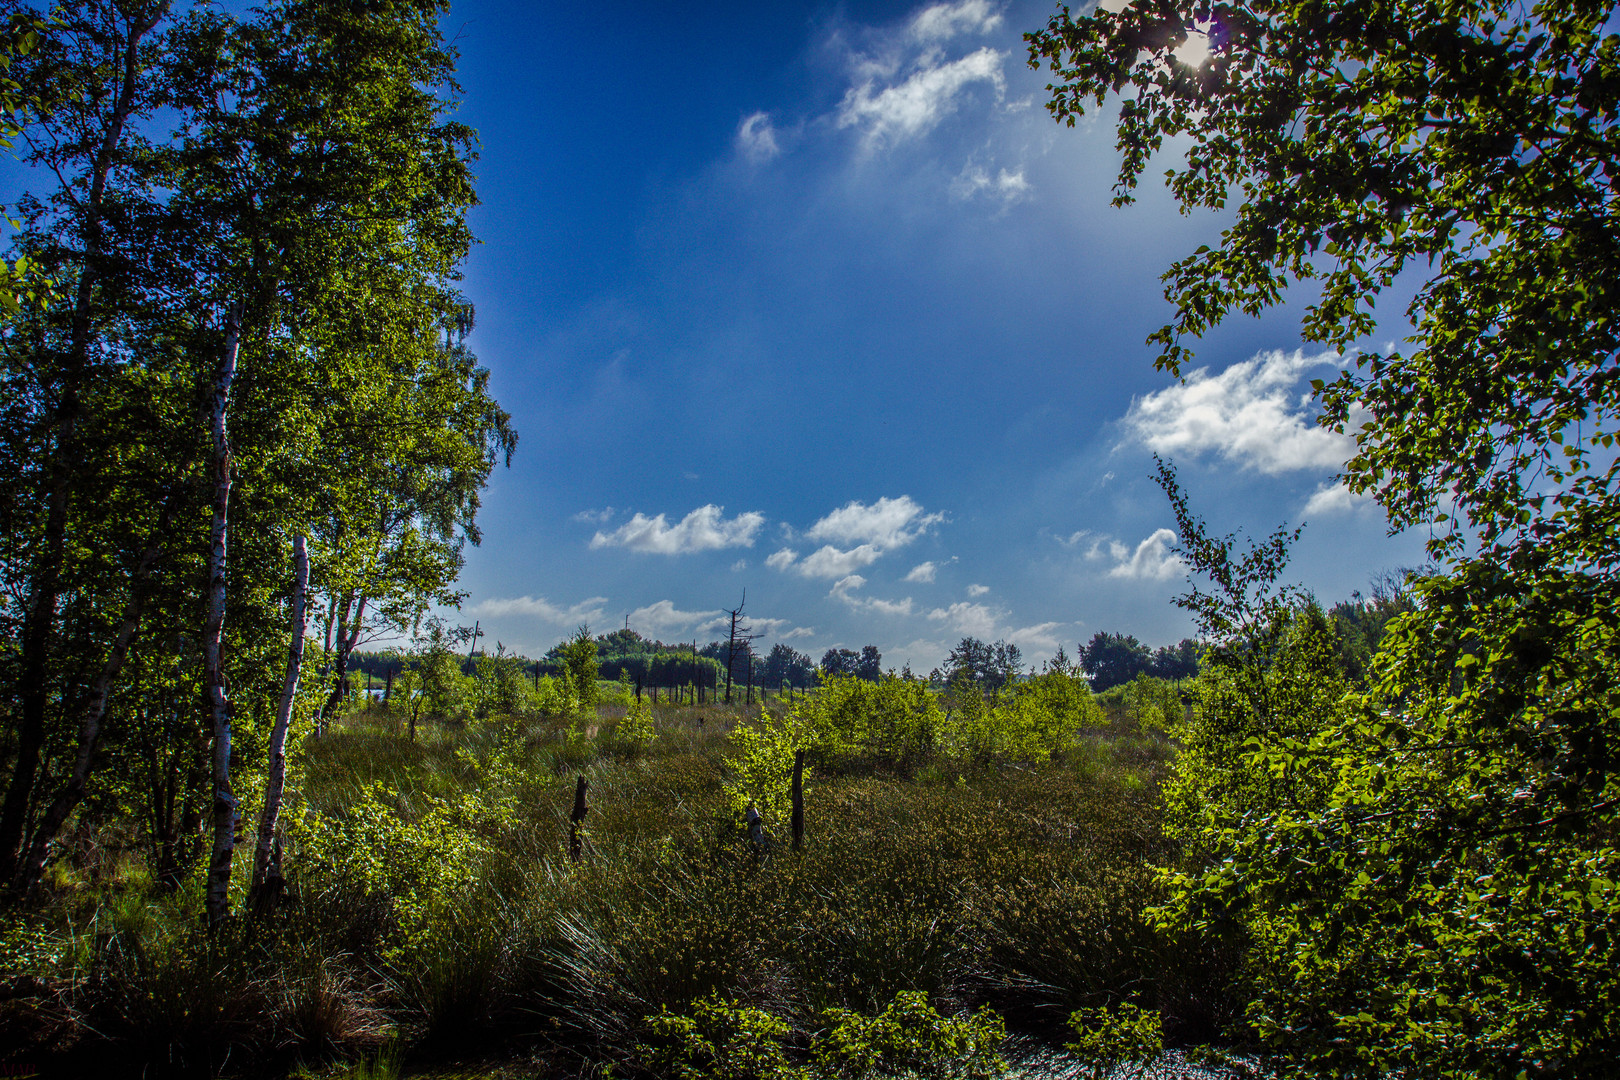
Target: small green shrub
[(721, 1040), (636, 729), (910, 1038), (1119, 1044), (761, 765)]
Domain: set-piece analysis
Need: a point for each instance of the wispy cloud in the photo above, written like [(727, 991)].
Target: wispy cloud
[(844, 591), (1151, 561), (1251, 414), (843, 587), (540, 608), (595, 517), (922, 572), (1007, 187), (1331, 499), (977, 590), (913, 106), (1040, 636), (799, 632), (704, 529), (940, 22), (974, 620), (756, 138), (664, 616)]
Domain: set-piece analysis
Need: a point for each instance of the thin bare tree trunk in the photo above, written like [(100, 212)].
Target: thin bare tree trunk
[(32, 866), (347, 638), (45, 588), (225, 816), (264, 867)]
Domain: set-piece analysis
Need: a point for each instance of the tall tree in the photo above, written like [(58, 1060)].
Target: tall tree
[(1468, 148), (300, 162)]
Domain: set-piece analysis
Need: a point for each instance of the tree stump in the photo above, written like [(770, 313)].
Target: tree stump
[(576, 845)]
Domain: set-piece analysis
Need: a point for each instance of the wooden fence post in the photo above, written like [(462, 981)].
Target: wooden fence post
[(798, 799), (577, 818)]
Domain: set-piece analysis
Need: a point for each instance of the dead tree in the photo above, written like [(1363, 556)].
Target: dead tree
[(576, 842), (739, 641)]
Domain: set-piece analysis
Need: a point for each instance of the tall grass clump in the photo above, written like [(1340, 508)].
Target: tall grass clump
[(963, 853)]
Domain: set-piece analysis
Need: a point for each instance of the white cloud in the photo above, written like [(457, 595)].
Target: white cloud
[(844, 586), (541, 608), (887, 523), (844, 591), (768, 627), (756, 138), (977, 590), (595, 517), (704, 529), (974, 180), (740, 564), (664, 616), (1039, 636), (1248, 414), (1151, 561), (799, 632), (831, 562), (974, 620), (926, 97), (943, 21), (1335, 499), (922, 572), (870, 532)]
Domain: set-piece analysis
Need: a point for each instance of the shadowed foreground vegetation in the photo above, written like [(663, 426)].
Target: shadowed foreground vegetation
[(433, 912)]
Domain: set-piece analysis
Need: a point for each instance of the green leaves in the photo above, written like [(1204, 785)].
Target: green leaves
[(1469, 143)]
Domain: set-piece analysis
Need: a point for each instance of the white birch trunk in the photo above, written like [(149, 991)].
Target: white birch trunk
[(264, 864), (225, 816)]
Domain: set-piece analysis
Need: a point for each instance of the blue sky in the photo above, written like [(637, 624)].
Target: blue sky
[(819, 302)]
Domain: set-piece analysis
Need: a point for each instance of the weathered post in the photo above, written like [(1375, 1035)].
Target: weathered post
[(798, 799), (575, 841)]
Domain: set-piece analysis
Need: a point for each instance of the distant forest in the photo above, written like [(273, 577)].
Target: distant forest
[(1106, 661)]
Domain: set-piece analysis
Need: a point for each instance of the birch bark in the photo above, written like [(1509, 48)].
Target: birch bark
[(225, 817), (265, 864)]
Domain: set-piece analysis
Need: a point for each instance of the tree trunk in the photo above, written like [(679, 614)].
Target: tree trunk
[(797, 797), (219, 863), (264, 867), (31, 867), (576, 818), (348, 637), (45, 585)]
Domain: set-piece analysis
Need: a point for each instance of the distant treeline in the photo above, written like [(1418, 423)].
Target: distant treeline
[(1107, 660)]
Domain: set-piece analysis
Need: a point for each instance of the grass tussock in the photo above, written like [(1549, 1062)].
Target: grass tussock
[(433, 906)]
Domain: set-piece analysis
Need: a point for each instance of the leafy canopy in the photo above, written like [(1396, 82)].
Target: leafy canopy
[(1471, 143)]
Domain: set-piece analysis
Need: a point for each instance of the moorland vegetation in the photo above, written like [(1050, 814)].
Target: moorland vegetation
[(243, 432)]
